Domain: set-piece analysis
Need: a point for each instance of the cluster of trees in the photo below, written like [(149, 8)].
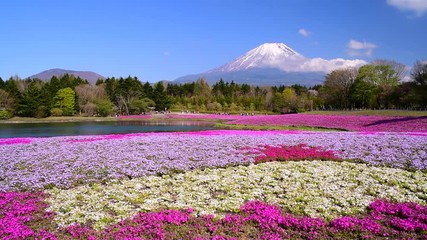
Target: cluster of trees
[(35, 98), (376, 85)]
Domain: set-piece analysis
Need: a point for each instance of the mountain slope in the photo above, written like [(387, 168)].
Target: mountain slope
[(91, 77), (273, 64)]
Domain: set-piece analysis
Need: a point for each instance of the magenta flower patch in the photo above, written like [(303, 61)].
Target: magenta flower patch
[(10, 141), (269, 153), (345, 122), (23, 216)]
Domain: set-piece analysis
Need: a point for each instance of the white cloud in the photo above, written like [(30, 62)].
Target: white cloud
[(419, 7), (302, 64), (356, 48), (304, 32), (323, 65)]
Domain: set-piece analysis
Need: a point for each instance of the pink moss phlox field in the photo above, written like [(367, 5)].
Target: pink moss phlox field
[(240, 132), (66, 162), (106, 137), (301, 151), (10, 141), (18, 211), (256, 220), (148, 225), (387, 219), (199, 133), (351, 123)]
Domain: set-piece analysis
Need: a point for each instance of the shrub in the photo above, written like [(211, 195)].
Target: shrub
[(42, 112), (4, 114), (56, 112)]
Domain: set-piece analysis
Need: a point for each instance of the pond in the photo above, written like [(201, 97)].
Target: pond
[(15, 130)]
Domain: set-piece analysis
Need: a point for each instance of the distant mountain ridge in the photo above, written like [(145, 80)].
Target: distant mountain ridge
[(91, 77), (273, 64)]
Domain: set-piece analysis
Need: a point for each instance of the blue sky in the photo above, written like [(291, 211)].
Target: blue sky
[(165, 39)]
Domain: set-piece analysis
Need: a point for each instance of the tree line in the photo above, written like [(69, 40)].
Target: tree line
[(375, 85)]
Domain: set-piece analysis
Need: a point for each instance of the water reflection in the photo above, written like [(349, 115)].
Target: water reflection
[(98, 128)]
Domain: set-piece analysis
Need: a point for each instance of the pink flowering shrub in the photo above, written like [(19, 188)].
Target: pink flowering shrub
[(269, 153)]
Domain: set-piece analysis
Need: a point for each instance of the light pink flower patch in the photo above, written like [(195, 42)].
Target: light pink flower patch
[(196, 133)]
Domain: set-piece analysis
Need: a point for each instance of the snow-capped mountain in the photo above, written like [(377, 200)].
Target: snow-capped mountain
[(262, 56), (274, 64)]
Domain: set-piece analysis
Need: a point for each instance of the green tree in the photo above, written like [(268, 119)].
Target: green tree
[(65, 100), (290, 100), (147, 90), (363, 94), (202, 91), (381, 79), (141, 105), (160, 97), (30, 100), (104, 107)]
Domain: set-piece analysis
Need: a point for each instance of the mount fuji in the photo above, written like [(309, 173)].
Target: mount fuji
[(273, 64)]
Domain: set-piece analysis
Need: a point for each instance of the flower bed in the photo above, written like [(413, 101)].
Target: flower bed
[(311, 188), (291, 153), (24, 216), (258, 220), (351, 123), (206, 185), (70, 161)]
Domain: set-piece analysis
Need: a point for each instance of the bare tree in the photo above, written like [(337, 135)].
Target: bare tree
[(419, 73), (88, 95), (338, 85), (6, 100), (400, 69)]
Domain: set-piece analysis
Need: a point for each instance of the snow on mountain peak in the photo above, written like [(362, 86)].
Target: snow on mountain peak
[(274, 49), (264, 55)]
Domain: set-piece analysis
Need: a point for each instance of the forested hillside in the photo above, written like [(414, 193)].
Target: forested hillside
[(376, 85)]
